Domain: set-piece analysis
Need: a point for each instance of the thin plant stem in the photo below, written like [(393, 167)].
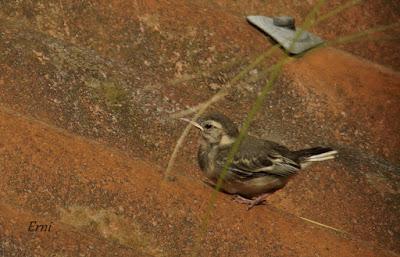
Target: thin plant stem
[(233, 81), (221, 94), (203, 107), (243, 131), (275, 71), (338, 10)]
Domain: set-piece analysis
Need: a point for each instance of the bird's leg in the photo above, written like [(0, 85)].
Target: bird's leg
[(241, 199), (208, 182), (258, 200), (251, 202)]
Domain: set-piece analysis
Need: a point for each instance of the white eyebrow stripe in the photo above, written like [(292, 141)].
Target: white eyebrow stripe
[(215, 124)]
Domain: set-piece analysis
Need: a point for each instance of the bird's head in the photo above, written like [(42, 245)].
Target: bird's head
[(216, 129)]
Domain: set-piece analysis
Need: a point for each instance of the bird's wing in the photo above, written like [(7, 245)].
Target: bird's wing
[(249, 166), (281, 165)]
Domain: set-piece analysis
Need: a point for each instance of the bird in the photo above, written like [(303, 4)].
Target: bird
[(259, 167)]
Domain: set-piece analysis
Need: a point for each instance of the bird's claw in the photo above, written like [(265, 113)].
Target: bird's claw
[(250, 202)]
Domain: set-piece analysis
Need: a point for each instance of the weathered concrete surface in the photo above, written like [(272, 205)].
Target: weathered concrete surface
[(103, 71), (357, 94), (100, 201), (361, 16)]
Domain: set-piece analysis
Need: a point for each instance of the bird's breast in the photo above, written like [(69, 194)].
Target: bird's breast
[(206, 159)]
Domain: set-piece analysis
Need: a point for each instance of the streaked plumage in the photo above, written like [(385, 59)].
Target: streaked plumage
[(259, 166)]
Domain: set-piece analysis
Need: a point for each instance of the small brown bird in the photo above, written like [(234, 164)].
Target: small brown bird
[(259, 167)]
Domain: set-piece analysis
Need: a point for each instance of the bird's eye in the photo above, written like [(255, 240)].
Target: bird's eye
[(208, 126)]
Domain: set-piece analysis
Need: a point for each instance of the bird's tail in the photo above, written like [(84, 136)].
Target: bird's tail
[(315, 154)]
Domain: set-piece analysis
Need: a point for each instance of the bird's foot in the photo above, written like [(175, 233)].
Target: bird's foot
[(241, 199), (250, 202)]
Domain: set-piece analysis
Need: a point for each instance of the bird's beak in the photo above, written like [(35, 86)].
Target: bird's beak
[(197, 125)]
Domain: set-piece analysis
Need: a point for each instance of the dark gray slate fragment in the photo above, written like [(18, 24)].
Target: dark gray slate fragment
[(283, 31)]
